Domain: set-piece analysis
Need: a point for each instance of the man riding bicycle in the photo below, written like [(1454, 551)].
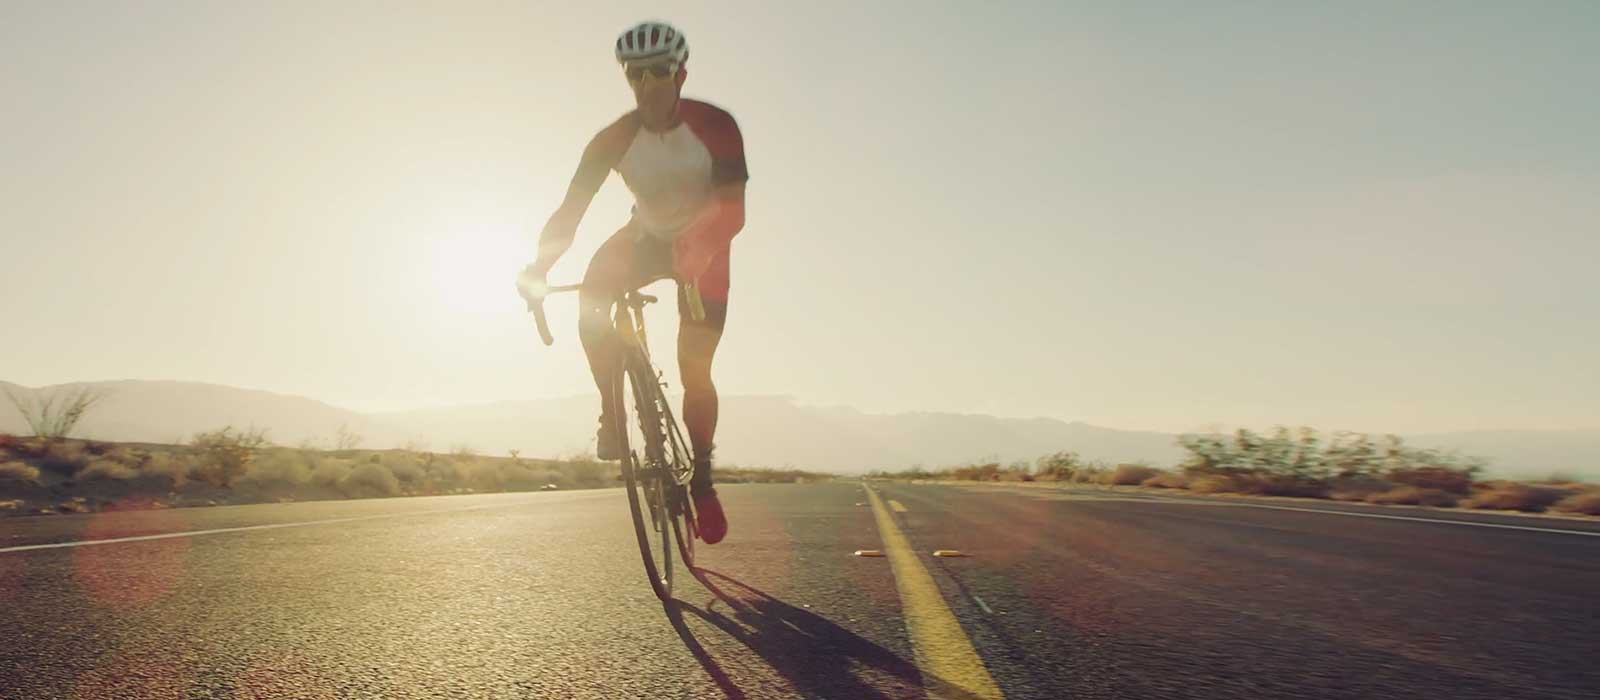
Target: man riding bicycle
[(684, 162)]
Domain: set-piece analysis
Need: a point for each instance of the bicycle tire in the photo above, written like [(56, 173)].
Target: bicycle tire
[(683, 515), (648, 496)]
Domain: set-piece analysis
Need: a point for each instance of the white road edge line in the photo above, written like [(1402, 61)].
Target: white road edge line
[(269, 526), (1585, 533), (1241, 504)]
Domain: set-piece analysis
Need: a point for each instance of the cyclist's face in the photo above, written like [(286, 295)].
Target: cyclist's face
[(655, 89)]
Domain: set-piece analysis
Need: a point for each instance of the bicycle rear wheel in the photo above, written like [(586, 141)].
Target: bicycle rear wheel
[(649, 487)]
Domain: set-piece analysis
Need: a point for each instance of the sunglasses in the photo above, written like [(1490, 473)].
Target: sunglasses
[(660, 70)]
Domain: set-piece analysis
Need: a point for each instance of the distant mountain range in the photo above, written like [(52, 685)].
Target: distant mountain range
[(772, 431)]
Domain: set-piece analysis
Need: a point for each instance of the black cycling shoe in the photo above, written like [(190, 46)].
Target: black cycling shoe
[(606, 448)]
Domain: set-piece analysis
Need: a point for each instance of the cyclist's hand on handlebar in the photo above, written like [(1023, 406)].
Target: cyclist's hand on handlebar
[(531, 285), (533, 288)]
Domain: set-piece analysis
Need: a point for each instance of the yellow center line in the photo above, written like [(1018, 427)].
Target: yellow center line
[(951, 667), (897, 506)]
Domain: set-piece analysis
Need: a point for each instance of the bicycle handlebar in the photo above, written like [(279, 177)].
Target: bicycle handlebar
[(697, 309), (536, 305)]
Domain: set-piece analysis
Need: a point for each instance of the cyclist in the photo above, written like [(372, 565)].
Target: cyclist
[(684, 162)]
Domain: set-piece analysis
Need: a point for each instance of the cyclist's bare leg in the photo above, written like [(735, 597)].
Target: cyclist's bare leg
[(599, 343), (613, 270), (697, 345)]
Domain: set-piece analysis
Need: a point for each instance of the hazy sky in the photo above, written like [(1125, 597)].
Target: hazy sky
[(1370, 216)]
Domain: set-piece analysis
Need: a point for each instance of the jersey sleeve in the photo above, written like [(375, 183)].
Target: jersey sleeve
[(720, 133), (605, 150)]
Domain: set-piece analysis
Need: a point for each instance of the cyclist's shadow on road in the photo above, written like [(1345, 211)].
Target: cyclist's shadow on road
[(820, 658)]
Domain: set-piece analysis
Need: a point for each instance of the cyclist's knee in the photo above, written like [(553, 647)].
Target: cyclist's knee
[(696, 377)]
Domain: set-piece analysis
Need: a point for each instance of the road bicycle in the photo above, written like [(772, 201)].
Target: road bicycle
[(656, 466)]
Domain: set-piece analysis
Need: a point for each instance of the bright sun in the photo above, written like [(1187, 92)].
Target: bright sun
[(474, 272)]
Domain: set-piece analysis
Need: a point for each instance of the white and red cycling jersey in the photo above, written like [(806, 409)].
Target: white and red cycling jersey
[(672, 175)]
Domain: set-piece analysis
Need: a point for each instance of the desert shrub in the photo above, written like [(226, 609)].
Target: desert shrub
[(1414, 496), (1288, 485), (1586, 503), (1513, 496), (280, 467), (1167, 480), (591, 474), (445, 470), (481, 475), (54, 414), (1356, 488), (1439, 478), (989, 471), (328, 472), (64, 457), (1214, 484), (369, 479), (18, 471), (174, 468), (513, 476), (406, 466), (1057, 466), (1131, 474), (106, 470), (225, 454)]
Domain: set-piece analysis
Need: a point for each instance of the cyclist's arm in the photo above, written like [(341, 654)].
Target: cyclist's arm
[(723, 216), (599, 157)]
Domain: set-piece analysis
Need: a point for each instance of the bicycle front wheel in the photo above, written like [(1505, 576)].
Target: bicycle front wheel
[(646, 480)]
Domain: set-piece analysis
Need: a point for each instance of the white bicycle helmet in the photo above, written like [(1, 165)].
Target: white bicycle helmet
[(649, 41)]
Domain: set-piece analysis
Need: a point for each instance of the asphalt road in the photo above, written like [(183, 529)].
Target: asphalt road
[(1065, 595)]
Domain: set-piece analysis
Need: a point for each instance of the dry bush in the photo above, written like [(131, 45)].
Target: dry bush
[(329, 471), (174, 468), (518, 476), (1057, 466), (1214, 484), (369, 479), (125, 455), (406, 466), (587, 473), (1258, 485), (1587, 503), (226, 454), (1514, 496), (1456, 481), (1088, 475), (1167, 480), (30, 446), (64, 457), (1414, 496), (1289, 486), (989, 471), (56, 413), (18, 471), (445, 470), (1131, 474), (1356, 488), (106, 470), (288, 467)]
